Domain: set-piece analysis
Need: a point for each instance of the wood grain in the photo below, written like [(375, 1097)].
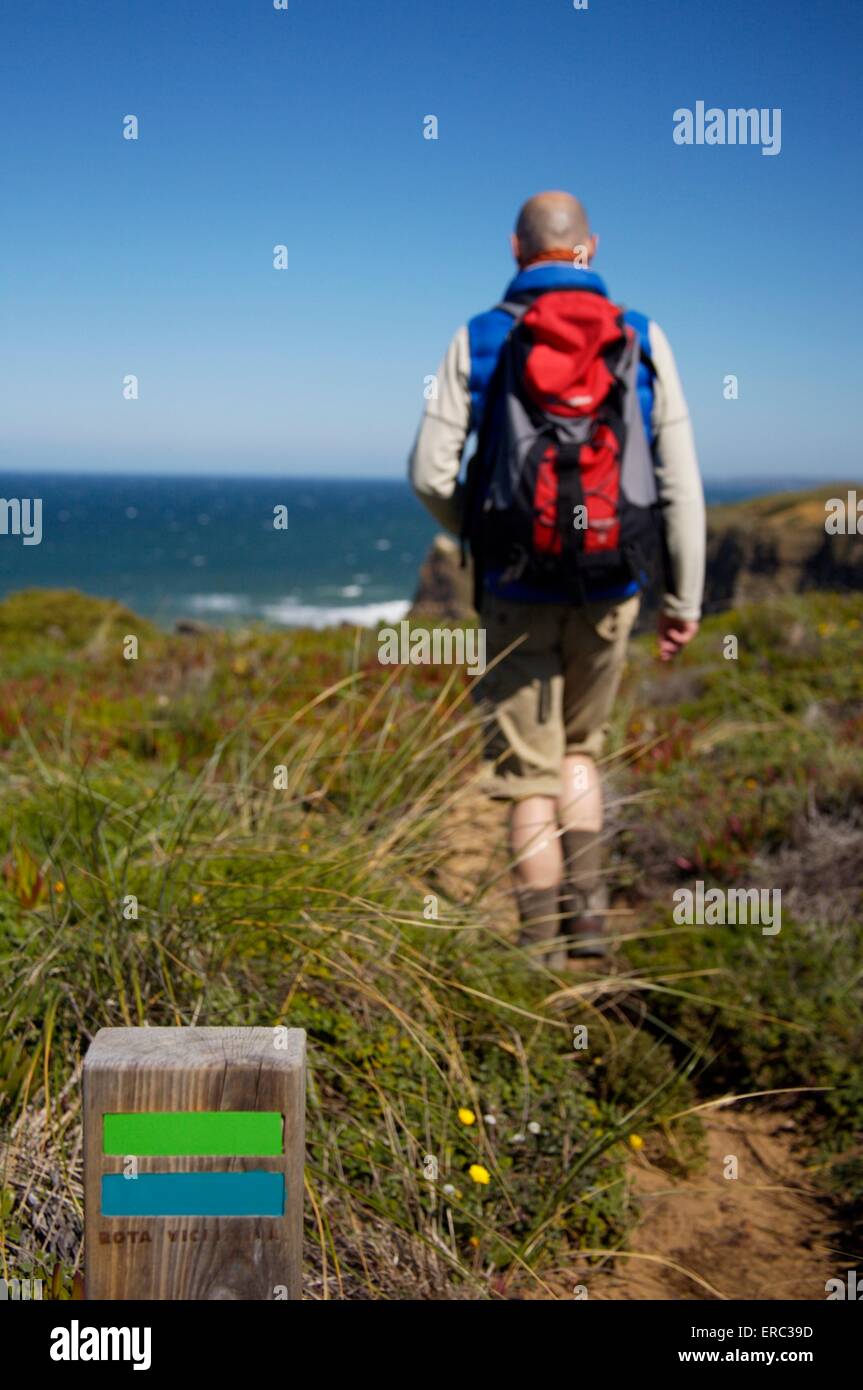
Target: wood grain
[(136, 1069)]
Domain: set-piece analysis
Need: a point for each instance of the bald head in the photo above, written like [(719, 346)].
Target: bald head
[(551, 222)]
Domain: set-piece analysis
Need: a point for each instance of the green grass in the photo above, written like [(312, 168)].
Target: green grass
[(755, 778), (159, 868)]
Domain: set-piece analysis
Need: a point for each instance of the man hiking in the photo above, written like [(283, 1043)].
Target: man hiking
[(584, 453)]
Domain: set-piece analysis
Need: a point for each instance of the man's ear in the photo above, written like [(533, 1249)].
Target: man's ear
[(584, 252), (516, 248)]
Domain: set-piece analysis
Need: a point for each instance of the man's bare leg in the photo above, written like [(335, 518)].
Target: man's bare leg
[(584, 897), (538, 871)]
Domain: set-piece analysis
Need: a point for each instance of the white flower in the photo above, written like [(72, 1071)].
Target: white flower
[(534, 1127), (517, 1139), (448, 1189), (489, 1120)]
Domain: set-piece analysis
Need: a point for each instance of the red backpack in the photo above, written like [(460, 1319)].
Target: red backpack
[(561, 493)]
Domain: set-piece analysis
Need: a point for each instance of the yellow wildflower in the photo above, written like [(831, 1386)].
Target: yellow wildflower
[(636, 1142), (479, 1174), (466, 1116), (59, 887)]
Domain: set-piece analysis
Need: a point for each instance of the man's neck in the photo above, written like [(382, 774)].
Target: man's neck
[(552, 260)]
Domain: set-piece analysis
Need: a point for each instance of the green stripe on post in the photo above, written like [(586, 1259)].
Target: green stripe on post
[(198, 1133)]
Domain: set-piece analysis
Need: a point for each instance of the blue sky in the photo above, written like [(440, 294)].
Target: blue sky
[(305, 127)]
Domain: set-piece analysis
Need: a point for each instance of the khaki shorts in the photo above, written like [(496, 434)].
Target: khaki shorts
[(553, 693)]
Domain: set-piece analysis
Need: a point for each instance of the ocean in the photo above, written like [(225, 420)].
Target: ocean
[(206, 548)]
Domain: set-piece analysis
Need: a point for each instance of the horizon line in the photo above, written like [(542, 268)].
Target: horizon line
[(708, 480)]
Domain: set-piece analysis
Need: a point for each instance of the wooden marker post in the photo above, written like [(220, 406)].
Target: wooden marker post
[(193, 1163)]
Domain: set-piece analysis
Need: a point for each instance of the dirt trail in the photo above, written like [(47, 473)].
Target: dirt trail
[(476, 853), (762, 1235)]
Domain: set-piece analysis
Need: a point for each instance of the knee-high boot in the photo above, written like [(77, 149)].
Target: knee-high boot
[(584, 894), (539, 914)]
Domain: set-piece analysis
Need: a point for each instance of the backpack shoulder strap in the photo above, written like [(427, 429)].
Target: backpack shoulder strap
[(640, 324), (473, 481), (510, 307)]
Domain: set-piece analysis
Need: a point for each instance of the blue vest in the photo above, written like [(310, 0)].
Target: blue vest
[(487, 333)]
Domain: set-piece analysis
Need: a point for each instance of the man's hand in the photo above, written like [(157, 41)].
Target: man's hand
[(674, 633)]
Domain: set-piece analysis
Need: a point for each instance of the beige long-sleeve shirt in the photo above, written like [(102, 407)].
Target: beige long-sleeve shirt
[(435, 463)]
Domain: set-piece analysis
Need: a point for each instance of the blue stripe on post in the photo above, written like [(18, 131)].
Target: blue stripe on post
[(194, 1194)]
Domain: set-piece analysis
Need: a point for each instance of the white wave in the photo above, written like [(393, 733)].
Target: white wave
[(291, 614), (217, 603)]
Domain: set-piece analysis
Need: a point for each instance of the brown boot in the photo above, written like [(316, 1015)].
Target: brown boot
[(584, 895), (539, 914)]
